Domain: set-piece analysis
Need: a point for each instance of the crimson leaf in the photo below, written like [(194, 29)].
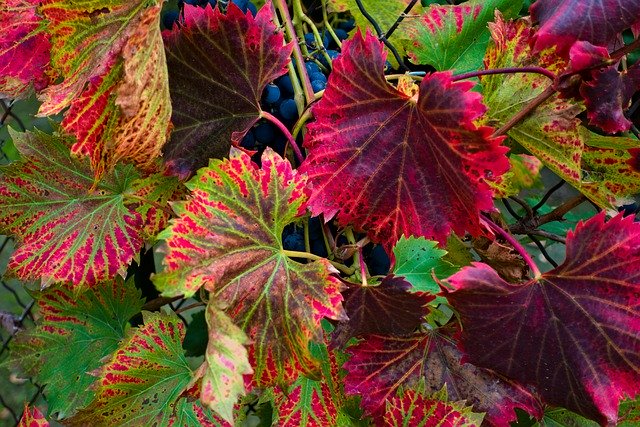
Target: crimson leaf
[(32, 417), (24, 48), (218, 67), (573, 332), (228, 238), (597, 21), (606, 91), (394, 164), (381, 364), (389, 308), (74, 332)]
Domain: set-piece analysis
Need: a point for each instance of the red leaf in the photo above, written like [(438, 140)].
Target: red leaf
[(32, 417), (606, 91), (24, 48), (393, 164), (574, 333), (388, 308), (380, 365), (227, 58), (563, 22)]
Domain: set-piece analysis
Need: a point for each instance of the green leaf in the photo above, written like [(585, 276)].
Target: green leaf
[(417, 258), (385, 12), (415, 407), (524, 173), (456, 37), (68, 227), (320, 401), (226, 363), (228, 238), (142, 381), (72, 335), (195, 340)]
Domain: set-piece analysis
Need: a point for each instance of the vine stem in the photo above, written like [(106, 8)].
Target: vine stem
[(273, 119), (508, 70), (283, 8), (516, 245), (381, 35), (403, 15), (296, 254)]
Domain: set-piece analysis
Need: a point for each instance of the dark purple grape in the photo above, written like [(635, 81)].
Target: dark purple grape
[(289, 109)]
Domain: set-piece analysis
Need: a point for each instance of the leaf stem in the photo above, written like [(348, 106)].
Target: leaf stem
[(273, 119), (156, 303), (296, 254), (299, 13), (327, 25), (516, 245), (508, 70)]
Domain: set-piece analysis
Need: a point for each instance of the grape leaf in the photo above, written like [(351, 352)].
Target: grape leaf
[(388, 308), (314, 402), (32, 417), (228, 238), (143, 380), (72, 335), (455, 37), (226, 363), (392, 164), (229, 59), (417, 258), (563, 22), (120, 104), (413, 407), (381, 364), (610, 172), (573, 332), (385, 12), (524, 173), (24, 49), (68, 228), (551, 132), (606, 91)]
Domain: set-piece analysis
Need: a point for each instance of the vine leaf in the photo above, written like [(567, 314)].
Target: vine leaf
[(117, 91), (226, 363), (32, 417), (455, 37), (392, 164), (564, 22), (320, 401), (552, 131), (380, 365), (226, 58), (228, 238), (572, 333), (143, 382), (411, 407), (605, 90), (68, 228), (73, 334), (24, 49), (385, 12), (416, 258), (388, 308), (524, 173)]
